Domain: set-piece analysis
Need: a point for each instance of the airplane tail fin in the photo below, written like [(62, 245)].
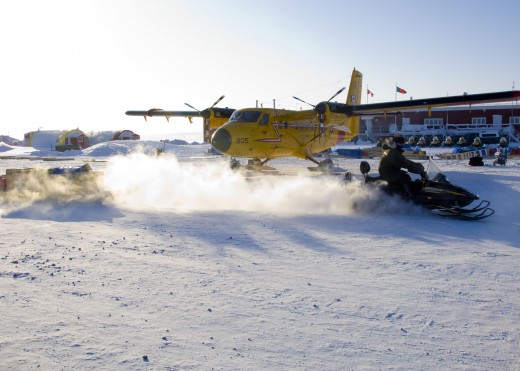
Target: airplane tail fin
[(354, 99), (354, 90)]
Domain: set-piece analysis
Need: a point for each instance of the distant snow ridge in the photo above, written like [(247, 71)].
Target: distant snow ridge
[(5, 147), (115, 148)]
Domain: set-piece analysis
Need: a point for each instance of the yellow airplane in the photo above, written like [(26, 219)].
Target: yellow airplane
[(263, 134)]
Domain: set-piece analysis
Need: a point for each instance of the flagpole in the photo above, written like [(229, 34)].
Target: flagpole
[(395, 92), (367, 92)]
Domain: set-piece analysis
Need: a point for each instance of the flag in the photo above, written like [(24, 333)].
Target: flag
[(399, 90), (369, 92)]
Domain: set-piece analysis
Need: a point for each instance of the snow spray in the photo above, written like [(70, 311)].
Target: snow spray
[(162, 182)]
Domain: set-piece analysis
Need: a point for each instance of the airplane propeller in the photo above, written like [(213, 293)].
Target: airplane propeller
[(189, 105), (337, 93), (321, 117), (331, 98), (217, 101), (301, 100), (206, 111)]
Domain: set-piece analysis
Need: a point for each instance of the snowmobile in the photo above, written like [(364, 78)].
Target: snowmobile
[(435, 193)]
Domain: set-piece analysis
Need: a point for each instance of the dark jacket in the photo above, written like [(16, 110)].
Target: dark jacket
[(392, 161)]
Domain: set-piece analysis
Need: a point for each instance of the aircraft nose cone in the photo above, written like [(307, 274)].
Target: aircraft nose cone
[(221, 140)]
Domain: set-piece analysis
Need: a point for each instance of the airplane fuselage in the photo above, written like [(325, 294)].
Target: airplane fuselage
[(267, 133)]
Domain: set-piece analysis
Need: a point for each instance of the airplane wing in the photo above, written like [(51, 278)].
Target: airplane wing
[(398, 106), (211, 112), (207, 113), (160, 112)]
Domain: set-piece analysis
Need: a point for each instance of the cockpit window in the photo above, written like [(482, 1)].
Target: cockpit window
[(264, 120), (245, 116)]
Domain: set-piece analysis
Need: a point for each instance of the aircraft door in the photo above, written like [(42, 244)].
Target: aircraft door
[(262, 129)]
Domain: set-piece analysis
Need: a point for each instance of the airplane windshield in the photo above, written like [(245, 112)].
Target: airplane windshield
[(245, 116)]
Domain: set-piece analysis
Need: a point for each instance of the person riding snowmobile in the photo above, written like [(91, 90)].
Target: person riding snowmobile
[(392, 161)]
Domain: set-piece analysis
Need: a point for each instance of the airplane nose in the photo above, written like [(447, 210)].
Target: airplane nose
[(221, 140)]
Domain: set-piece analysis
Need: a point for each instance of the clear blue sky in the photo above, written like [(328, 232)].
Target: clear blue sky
[(68, 64)]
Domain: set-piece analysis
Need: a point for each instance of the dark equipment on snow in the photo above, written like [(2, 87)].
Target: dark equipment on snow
[(500, 157), (476, 161), (435, 193)]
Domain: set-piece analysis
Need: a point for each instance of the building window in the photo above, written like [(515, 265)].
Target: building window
[(433, 122), (478, 121), (514, 120)]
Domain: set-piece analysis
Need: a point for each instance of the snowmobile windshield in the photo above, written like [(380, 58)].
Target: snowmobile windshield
[(434, 172)]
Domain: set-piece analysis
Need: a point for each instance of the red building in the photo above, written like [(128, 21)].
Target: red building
[(489, 122)]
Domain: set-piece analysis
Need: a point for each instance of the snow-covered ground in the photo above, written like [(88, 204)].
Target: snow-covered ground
[(180, 263)]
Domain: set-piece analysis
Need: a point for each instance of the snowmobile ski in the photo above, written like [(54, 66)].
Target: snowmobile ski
[(476, 213)]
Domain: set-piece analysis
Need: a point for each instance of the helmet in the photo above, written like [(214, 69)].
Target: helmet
[(398, 143), (398, 140)]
